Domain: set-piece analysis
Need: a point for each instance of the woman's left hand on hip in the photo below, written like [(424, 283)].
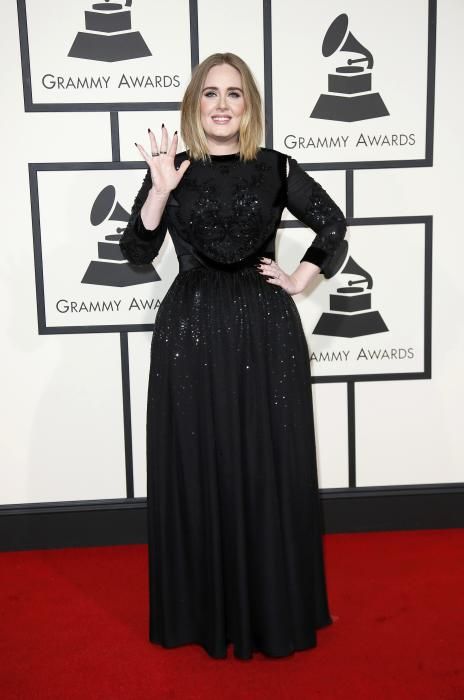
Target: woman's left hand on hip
[(275, 275)]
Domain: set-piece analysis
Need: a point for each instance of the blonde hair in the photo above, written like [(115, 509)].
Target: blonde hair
[(251, 123)]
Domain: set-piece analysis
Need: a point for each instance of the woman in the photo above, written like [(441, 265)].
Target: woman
[(235, 550)]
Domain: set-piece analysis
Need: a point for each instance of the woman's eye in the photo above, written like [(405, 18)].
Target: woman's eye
[(211, 92)]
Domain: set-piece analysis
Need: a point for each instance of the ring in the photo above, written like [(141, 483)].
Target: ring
[(163, 151), (155, 154)]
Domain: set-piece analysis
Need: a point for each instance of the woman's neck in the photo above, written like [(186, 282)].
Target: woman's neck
[(223, 149)]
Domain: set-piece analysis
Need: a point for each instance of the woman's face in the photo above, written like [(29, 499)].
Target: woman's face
[(221, 106)]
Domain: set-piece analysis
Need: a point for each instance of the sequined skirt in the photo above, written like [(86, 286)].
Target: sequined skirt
[(234, 520)]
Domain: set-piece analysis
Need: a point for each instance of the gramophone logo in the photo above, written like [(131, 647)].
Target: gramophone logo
[(111, 268), (108, 35), (350, 314), (350, 97)]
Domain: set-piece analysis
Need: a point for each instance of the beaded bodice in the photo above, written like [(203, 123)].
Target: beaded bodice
[(227, 209)]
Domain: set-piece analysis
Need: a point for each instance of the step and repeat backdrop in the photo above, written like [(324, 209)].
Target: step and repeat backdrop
[(351, 89)]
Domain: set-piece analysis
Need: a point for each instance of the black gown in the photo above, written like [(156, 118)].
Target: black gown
[(234, 530)]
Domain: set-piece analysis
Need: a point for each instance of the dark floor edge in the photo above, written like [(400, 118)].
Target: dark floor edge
[(123, 521)]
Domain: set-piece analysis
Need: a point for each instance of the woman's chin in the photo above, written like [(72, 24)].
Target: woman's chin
[(221, 132), (222, 136)]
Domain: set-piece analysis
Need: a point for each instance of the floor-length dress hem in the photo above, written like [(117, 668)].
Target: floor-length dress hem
[(241, 655)]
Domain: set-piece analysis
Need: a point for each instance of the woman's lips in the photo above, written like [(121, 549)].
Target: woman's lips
[(221, 120)]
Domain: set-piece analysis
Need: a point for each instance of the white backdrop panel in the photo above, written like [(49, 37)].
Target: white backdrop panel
[(397, 192), (162, 28), (70, 246), (397, 303), (222, 27), (331, 424), (139, 354), (406, 434), (399, 76), (63, 437)]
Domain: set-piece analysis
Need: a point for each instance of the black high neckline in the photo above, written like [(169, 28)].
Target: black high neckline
[(225, 157)]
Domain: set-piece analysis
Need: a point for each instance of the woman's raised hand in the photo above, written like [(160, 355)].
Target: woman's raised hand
[(164, 175)]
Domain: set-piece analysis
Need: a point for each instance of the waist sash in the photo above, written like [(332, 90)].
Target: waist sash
[(188, 261)]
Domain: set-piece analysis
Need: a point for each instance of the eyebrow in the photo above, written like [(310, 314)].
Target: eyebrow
[(213, 87)]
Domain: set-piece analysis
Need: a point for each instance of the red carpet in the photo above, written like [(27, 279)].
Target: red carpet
[(74, 625)]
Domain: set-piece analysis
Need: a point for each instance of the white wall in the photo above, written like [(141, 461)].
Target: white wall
[(61, 411)]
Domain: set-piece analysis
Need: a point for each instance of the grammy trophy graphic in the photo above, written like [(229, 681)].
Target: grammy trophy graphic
[(109, 36), (111, 268), (350, 314), (349, 97)]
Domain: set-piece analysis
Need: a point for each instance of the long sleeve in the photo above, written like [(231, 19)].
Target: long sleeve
[(311, 204), (138, 244)]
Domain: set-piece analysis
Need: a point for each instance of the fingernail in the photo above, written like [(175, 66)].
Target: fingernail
[(149, 131), (175, 132), (162, 125), (136, 143)]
